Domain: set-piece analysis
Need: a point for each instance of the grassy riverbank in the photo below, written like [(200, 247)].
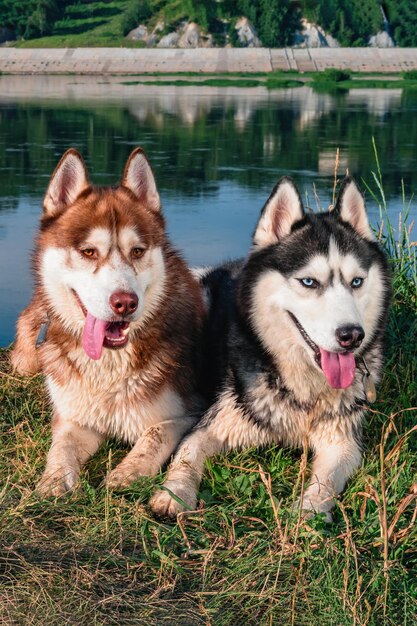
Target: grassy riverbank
[(98, 557), (323, 82)]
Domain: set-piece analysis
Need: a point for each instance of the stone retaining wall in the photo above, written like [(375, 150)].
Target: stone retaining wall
[(207, 60)]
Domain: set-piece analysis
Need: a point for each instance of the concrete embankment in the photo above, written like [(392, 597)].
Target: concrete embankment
[(207, 60)]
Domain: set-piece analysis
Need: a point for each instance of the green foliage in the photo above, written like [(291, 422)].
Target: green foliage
[(410, 75), (402, 16), (275, 20), (88, 24), (31, 18), (351, 22), (137, 12), (332, 75), (202, 12)]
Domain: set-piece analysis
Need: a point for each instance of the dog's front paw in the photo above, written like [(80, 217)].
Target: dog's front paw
[(314, 503), (163, 504), (125, 474), (25, 362), (56, 482)]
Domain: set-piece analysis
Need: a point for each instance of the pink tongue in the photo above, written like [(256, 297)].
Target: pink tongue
[(339, 368), (93, 336)]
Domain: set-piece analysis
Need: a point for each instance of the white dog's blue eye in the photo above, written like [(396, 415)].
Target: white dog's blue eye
[(356, 282), (310, 283)]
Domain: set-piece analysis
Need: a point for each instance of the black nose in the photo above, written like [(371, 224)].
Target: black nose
[(350, 336)]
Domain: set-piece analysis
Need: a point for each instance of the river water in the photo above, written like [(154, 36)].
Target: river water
[(216, 154)]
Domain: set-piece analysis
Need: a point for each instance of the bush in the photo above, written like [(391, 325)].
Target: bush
[(351, 22), (31, 18), (137, 12), (410, 75), (275, 20), (332, 75), (402, 16)]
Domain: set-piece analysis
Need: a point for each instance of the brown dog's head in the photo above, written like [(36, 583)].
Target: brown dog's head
[(100, 256)]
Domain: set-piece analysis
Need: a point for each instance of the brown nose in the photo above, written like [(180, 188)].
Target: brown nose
[(350, 337), (124, 303)]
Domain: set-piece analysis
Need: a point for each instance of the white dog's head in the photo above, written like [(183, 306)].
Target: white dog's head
[(317, 280)]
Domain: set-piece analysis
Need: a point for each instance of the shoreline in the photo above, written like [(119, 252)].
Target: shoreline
[(214, 61)]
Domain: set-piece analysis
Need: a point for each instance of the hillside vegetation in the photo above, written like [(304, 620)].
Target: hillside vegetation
[(107, 22)]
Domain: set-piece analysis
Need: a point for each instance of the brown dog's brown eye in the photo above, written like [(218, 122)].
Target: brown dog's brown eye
[(91, 253), (138, 252)]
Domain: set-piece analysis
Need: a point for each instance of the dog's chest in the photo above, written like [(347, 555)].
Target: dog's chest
[(114, 399), (288, 420)]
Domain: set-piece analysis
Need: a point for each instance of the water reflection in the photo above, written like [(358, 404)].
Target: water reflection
[(216, 154)]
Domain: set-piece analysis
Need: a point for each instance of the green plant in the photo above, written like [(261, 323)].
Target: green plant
[(275, 21), (410, 75), (137, 12), (332, 75), (402, 16), (351, 22)]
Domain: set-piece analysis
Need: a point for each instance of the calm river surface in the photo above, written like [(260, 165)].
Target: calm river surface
[(216, 154)]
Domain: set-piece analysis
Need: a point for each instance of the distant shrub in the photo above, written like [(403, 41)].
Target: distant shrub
[(276, 21), (31, 18), (203, 12), (351, 22), (402, 16), (136, 12), (332, 75), (410, 75)]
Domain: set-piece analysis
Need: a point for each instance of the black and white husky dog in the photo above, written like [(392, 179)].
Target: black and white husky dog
[(296, 339)]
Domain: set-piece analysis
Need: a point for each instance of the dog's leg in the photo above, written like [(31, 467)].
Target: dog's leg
[(24, 356), (72, 446), (150, 452), (335, 460), (222, 428), (184, 475)]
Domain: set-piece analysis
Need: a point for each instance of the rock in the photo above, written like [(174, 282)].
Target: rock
[(313, 36), (206, 41), (138, 34), (381, 40), (159, 27), (6, 34), (190, 37), (247, 34), (155, 35), (168, 41)]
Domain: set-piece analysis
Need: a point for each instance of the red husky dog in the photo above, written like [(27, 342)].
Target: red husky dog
[(124, 317)]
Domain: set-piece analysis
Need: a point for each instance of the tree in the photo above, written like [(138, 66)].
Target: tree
[(402, 16), (351, 22), (31, 18), (275, 20)]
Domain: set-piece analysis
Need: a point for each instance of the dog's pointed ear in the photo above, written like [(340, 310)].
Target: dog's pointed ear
[(350, 208), (69, 179), (282, 209), (139, 178)]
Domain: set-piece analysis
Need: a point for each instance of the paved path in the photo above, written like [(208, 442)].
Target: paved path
[(207, 60)]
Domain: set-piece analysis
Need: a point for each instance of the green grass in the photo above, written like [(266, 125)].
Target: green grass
[(96, 24), (208, 82), (99, 557), (338, 80)]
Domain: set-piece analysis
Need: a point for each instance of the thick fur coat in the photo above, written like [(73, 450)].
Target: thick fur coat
[(296, 342), (124, 320)]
